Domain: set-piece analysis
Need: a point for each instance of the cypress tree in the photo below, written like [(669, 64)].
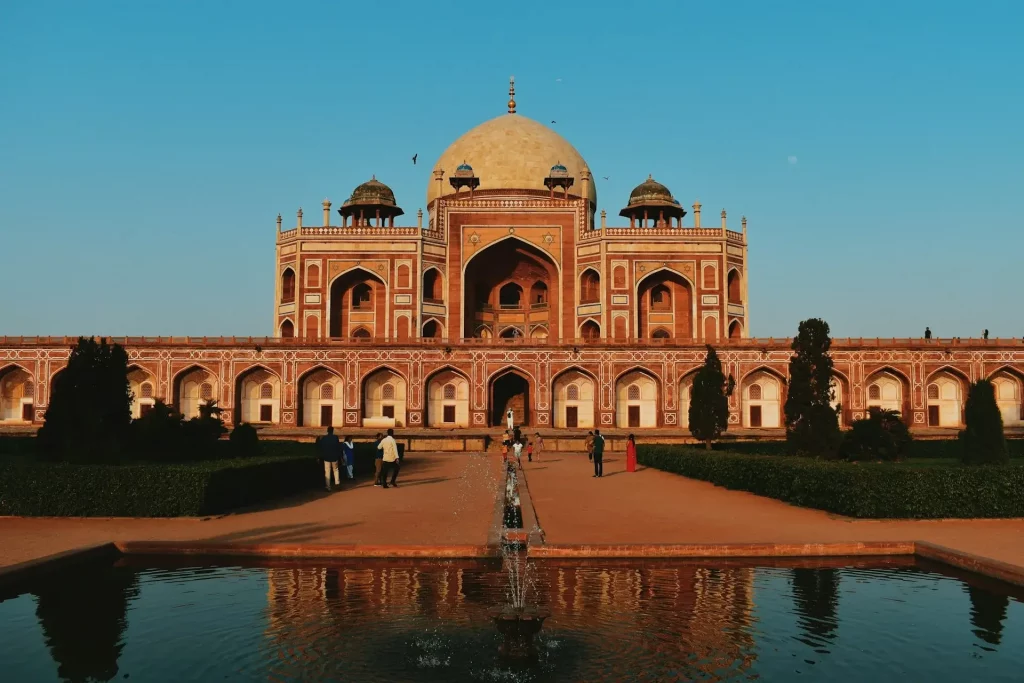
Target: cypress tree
[(982, 440), (709, 400), (90, 409), (812, 425)]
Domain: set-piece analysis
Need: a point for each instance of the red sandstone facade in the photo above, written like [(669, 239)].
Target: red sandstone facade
[(515, 294)]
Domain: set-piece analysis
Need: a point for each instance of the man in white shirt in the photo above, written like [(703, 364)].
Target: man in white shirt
[(511, 419), (517, 448), (389, 447)]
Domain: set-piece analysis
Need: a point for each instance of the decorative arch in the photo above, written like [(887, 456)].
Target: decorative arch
[(253, 402), (313, 275), (636, 399), (448, 392), (685, 389), (678, 314), (762, 395), (403, 276), (321, 402), (590, 286), (190, 389), (348, 309), (142, 383), (17, 394), (841, 396), (288, 285), (384, 396), (574, 393), (432, 329), (509, 259), (312, 327), (433, 285), (1008, 384), (892, 390), (511, 388), (734, 286), (590, 330), (287, 329), (945, 390), (735, 330)]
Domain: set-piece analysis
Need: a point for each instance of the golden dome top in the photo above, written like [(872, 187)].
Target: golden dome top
[(509, 152)]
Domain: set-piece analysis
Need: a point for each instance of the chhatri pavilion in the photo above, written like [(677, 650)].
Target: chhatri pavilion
[(514, 291)]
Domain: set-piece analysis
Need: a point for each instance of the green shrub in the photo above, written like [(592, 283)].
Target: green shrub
[(245, 442), (882, 435), (982, 438), (855, 490), (150, 490)]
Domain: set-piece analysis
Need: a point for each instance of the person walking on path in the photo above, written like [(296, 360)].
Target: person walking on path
[(389, 455), (330, 449), (378, 460), (517, 450), (631, 454), (598, 453), (588, 443), (348, 449), (538, 444), (397, 464), (529, 452), (510, 419)]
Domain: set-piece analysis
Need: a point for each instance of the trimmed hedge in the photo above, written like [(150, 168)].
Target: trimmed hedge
[(854, 490), (163, 490)]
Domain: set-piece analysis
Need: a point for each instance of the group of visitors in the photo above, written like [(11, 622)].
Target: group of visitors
[(514, 442), (594, 444), (336, 453)]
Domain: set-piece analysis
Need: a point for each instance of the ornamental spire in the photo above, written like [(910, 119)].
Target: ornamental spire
[(512, 95)]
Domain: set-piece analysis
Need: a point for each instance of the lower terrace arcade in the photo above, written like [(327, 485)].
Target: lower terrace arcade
[(580, 384)]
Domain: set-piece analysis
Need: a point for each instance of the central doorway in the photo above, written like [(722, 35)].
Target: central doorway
[(510, 391)]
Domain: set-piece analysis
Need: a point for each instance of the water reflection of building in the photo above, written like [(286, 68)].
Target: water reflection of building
[(690, 614)]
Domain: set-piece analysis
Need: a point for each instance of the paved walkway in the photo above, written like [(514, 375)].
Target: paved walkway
[(441, 499), (449, 499), (651, 506)]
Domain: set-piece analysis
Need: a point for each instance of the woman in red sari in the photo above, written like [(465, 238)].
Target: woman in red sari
[(631, 454)]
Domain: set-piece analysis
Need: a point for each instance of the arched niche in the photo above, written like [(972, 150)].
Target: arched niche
[(448, 400), (323, 399), (636, 400), (384, 399), (573, 400), (762, 400), (257, 397)]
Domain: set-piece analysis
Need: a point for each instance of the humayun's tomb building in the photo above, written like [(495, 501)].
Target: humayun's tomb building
[(513, 290)]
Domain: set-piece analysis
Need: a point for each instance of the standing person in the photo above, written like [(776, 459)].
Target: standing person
[(598, 453), (631, 454), (388, 448), (378, 460), (538, 444), (927, 333), (588, 443), (529, 452), (397, 464), (510, 419), (985, 334), (517, 450), (330, 449), (348, 449)]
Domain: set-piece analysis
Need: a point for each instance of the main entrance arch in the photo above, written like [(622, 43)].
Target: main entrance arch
[(510, 285), (510, 389)]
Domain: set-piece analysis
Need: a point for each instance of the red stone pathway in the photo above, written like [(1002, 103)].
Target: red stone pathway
[(654, 507)]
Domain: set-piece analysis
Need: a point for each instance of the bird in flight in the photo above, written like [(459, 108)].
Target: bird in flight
[(553, 121), (414, 158), (606, 177)]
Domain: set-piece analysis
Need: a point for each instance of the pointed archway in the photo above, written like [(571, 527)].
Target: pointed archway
[(510, 390)]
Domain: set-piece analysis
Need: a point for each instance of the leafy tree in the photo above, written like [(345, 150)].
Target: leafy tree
[(982, 440), (882, 435), (812, 425), (709, 400), (90, 410), (158, 433), (200, 434)]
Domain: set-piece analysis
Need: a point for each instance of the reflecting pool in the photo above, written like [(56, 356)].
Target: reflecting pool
[(147, 620)]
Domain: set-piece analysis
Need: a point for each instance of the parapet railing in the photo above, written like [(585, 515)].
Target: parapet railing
[(295, 342)]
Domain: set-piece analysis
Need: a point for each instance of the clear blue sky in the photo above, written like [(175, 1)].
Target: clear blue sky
[(146, 148)]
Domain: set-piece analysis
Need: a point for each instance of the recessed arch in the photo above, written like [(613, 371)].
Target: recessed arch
[(287, 329), (17, 394), (891, 392), (288, 285), (142, 382), (945, 390), (511, 387), (509, 259), (665, 298), (348, 308), (637, 393), (253, 402), (590, 286), (685, 391), (190, 390), (320, 407), (735, 330), (762, 395), (574, 399), (384, 396), (1008, 385), (432, 329), (590, 330), (734, 286), (448, 394), (433, 285)]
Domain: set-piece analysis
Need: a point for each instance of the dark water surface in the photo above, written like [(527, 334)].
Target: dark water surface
[(427, 621)]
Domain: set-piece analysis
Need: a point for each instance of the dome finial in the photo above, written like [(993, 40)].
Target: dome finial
[(511, 94)]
